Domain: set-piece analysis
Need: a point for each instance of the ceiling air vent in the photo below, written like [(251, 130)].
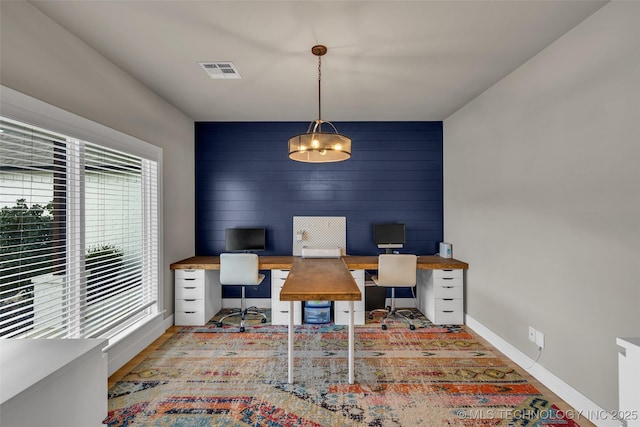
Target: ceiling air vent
[(221, 70)]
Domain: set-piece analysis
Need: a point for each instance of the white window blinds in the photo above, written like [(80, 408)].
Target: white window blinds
[(78, 236)]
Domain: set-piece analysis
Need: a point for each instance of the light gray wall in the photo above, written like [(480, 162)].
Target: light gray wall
[(41, 59), (542, 198)]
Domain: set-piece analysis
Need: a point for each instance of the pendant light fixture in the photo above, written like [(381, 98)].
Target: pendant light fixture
[(318, 145)]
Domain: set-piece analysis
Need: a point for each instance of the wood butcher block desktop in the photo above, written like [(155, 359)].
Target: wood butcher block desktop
[(316, 279), (425, 262), (213, 263)]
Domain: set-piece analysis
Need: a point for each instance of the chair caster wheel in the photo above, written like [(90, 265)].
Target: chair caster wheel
[(384, 327), (219, 324), (371, 317), (388, 308), (241, 328), (263, 320), (411, 316), (412, 327)]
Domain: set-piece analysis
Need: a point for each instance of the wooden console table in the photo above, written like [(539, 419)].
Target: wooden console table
[(321, 279)]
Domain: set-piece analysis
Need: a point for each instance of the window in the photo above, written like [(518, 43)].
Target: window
[(79, 246)]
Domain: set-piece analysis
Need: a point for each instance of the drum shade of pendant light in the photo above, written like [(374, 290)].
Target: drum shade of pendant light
[(321, 143)]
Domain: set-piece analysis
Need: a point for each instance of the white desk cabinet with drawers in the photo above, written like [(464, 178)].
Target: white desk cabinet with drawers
[(440, 296), (341, 308), (280, 309), (198, 296)]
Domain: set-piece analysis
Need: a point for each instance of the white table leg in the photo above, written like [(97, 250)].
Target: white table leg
[(291, 332), (351, 343)]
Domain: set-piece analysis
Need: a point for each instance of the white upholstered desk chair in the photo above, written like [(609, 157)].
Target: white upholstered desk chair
[(241, 269), (395, 271)]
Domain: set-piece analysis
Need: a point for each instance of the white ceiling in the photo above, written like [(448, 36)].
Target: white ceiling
[(387, 60)]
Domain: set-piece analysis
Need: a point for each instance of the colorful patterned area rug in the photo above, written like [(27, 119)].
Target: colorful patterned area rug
[(431, 376)]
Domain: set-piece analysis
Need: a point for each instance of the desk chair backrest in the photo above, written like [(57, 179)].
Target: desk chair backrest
[(239, 269), (397, 270)]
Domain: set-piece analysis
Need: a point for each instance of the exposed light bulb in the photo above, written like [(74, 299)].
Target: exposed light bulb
[(322, 152), (315, 143), (337, 147), (303, 148)]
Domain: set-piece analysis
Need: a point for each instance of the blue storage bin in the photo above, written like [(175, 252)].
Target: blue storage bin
[(317, 314)]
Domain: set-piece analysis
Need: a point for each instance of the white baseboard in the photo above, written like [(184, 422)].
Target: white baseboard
[(585, 408), (126, 348)]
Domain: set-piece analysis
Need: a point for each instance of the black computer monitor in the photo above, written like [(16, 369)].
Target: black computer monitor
[(389, 236), (244, 239)]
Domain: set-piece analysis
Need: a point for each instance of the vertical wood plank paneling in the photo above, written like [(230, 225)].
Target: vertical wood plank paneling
[(245, 178)]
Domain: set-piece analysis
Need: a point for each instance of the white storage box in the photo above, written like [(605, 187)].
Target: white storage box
[(320, 252)]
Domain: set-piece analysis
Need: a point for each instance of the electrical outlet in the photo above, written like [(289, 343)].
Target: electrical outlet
[(532, 334), (539, 339)]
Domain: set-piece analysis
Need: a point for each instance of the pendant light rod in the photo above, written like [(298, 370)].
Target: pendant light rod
[(319, 51), (319, 91)]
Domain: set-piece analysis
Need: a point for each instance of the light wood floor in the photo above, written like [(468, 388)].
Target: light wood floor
[(128, 367), (582, 421)]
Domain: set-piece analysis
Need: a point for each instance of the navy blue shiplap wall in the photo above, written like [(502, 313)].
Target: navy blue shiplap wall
[(244, 178)]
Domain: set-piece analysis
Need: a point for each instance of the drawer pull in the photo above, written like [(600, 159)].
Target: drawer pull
[(448, 287), (447, 311), (284, 311), (190, 312), (447, 299), (187, 278), (447, 269), (190, 300), (447, 278), (189, 287)]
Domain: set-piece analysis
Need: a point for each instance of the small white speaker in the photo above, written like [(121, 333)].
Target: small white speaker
[(445, 250)]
